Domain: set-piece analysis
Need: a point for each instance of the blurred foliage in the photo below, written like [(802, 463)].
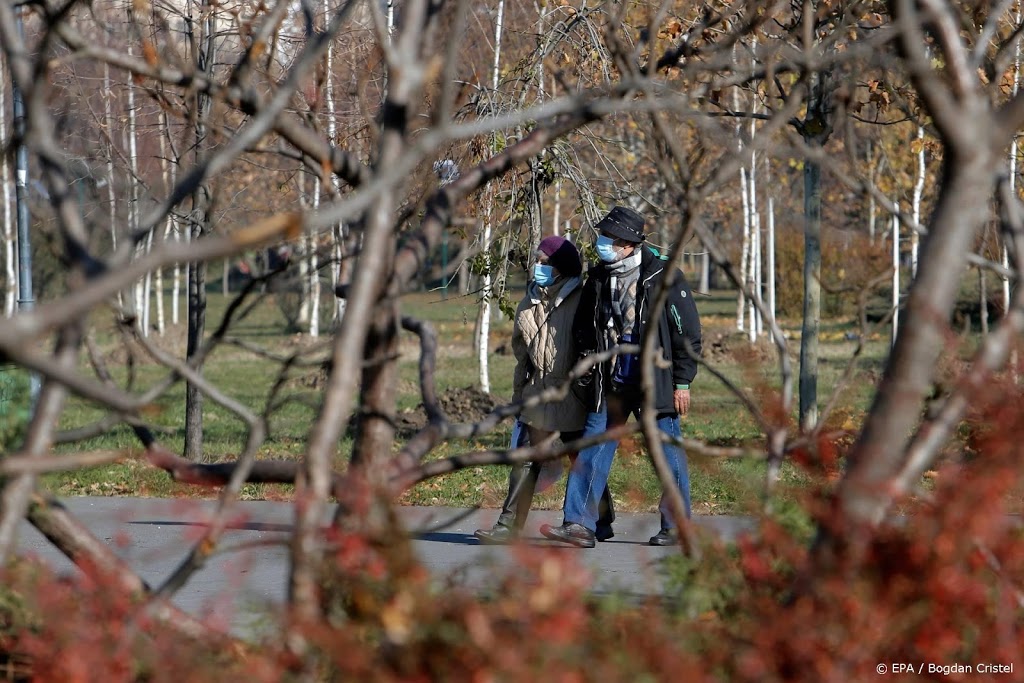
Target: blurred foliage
[(849, 262), (15, 406), (940, 586)]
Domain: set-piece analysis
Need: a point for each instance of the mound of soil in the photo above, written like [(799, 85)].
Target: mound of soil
[(462, 405), (466, 405), (736, 346)]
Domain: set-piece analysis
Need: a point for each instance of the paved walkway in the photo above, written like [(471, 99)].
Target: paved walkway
[(239, 587)]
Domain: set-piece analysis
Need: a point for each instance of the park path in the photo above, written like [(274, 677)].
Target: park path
[(239, 588)]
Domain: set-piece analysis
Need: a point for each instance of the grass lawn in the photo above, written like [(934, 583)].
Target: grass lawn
[(291, 399)]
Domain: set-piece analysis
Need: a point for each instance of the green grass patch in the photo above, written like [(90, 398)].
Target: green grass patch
[(291, 398)]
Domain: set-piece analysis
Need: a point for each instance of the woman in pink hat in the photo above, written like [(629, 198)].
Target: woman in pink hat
[(545, 355)]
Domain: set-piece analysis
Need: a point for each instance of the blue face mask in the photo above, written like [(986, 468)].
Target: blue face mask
[(606, 249), (543, 275)]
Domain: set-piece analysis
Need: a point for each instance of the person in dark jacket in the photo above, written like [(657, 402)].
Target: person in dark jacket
[(615, 308)]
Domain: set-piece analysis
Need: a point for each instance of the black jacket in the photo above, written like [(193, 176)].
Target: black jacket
[(678, 325)]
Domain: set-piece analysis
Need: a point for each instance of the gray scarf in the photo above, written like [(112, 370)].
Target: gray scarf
[(625, 278)]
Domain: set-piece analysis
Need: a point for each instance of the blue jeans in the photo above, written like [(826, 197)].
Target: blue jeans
[(589, 476)]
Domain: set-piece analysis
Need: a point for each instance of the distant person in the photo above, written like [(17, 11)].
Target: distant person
[(615, 308), (545, 355)]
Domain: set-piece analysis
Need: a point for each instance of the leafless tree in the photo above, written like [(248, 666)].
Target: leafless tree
[(649, 124)]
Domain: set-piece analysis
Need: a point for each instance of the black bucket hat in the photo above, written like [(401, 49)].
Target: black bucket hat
[(624, 223)]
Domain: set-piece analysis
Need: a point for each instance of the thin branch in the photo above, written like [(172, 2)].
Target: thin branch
[(96, 558), (991, 355), (17, 493)]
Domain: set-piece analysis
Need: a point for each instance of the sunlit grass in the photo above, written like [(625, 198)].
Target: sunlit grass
[(716, 417)]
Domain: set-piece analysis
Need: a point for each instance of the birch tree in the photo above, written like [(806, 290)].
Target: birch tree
[(741, 301), (10, 279), (483, 324), (668, 84), (915, 240), (339, 235), (142, 289), (895, 274), (770, 255), (111, 179)]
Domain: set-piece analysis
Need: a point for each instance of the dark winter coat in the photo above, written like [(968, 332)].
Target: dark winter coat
[(678, 325), (542, 344)]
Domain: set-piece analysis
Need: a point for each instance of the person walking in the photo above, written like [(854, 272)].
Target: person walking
[(615, 308), (542, 344)]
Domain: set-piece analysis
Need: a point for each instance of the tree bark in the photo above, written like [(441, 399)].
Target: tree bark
[(375, 435), (877, 456), (10, 279), (872, 211), (816, 128), (142, 288), (896, 292), (483, 319), (201, 222), (754, 275), (915, 239), (983, 301), (314, 271), (812, 297), (770, 278), (194, 341), (741, 297)]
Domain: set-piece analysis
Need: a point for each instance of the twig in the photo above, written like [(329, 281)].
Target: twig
[(18, 463)]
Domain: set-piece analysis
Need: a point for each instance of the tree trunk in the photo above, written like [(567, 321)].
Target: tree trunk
[(376, 427), (556, 227), (196, 330), (983, 301), (158, 292), (108, 118), (915, 238), (169, 225), (533, 213), (141, 293), (812, 297), (756, 324), (741, 299), (10, 279), (815, 128), (302, 256), (1005, 256), (201, 221), (172, 224), (770, 278), (463, 278), (314, 272), (483, 320), (871, 195), (961, 210), (147, 288), (338, 234), (346, 242), (895, 275)]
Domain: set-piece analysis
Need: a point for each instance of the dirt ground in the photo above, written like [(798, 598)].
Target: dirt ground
[(732, 345), (461, 405)]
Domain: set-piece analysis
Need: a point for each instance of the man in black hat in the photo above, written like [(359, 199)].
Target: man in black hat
[(615, 309)]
